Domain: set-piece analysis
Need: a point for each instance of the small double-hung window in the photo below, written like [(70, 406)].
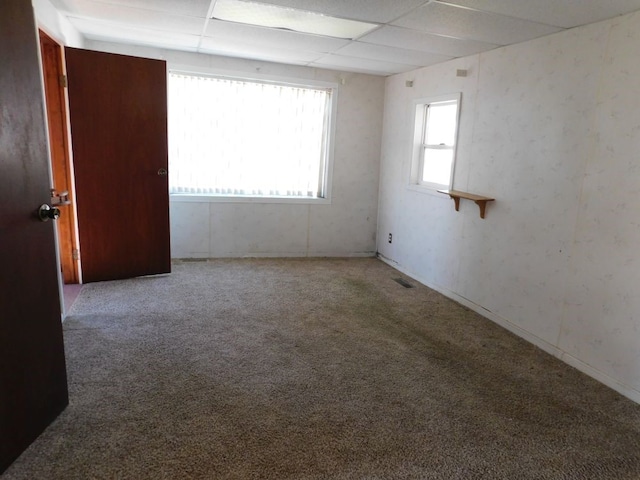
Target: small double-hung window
[(436, 129)]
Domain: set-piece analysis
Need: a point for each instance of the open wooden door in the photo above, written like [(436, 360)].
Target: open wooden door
[(33, 383), (118, 116)]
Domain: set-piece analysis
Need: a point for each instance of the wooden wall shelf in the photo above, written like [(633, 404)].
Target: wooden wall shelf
[(478, 199)]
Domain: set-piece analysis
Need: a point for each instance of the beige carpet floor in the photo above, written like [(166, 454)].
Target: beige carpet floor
[(316, 369)]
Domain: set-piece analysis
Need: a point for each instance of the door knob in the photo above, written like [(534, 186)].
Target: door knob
[(45, 212), (162, 172)]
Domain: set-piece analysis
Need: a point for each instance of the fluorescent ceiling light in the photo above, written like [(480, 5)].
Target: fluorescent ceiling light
[(302, 21)]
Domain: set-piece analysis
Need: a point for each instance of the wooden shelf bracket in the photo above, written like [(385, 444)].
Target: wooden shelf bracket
[(478, 199)]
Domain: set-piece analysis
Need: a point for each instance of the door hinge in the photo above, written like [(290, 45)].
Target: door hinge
[(75, 254), (63, 81)]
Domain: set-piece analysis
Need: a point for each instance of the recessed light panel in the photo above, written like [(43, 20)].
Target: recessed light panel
[(273, 16)]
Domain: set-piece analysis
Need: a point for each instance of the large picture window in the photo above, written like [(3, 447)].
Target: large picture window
[(247, 138)]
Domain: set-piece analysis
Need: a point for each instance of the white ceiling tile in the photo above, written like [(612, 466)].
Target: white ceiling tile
[(96, 30), (284, 18), (391, 54), (275, 38), (380, 11), (459, 22), (406, 38), (413, 32), (561, 13), (353, 64), (135, 17), (234, 48), (191, 8)]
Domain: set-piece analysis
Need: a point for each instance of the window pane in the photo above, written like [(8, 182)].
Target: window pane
[(437, 166), (441, 123), (236, 137)]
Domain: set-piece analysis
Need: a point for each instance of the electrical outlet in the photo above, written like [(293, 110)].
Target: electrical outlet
[(390, 238)]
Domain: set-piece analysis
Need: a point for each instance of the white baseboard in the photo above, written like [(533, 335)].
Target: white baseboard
[(567, 358), (278, 255)]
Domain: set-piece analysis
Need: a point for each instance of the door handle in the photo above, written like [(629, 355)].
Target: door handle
[(162, 172), (45, 212)]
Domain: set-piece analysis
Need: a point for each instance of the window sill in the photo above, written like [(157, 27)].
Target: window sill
[(187, 198), (427, 190)]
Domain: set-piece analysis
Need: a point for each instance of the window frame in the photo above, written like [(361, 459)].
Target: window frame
[(419, 114), (329, 149)]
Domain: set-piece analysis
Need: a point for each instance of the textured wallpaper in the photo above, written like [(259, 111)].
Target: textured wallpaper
[(551, 129)]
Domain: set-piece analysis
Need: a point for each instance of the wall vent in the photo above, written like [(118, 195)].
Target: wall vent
[(403, 282)]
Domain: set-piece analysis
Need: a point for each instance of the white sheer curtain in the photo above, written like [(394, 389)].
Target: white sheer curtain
[(235, 137)]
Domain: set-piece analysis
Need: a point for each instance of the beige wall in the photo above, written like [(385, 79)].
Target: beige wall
[(551, 129), (55, 25)]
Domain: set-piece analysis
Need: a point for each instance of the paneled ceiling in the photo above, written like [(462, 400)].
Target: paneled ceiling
[(410, 33)]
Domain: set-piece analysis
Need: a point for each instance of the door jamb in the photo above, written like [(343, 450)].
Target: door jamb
[(56, 99)]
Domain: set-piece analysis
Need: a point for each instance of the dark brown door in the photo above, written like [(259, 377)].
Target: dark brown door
[(118, 115), (33, 383)]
